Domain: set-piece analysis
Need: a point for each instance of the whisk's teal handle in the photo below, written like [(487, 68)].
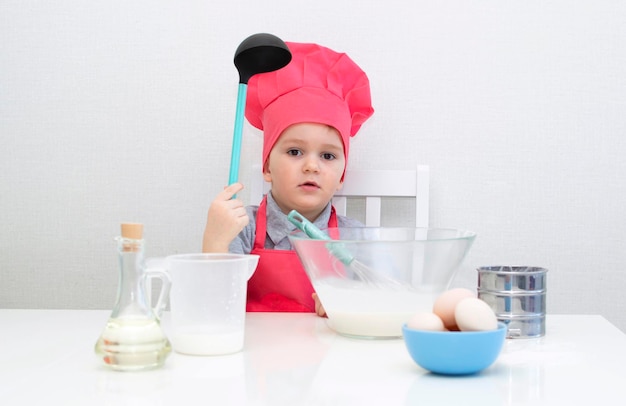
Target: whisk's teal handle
[(304, 225)]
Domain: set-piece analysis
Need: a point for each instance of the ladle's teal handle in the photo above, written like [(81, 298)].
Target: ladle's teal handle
[(235, 154), (335, 248)]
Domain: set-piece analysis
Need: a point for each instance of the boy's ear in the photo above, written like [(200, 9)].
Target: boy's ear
[(340, 186), (267, 176)]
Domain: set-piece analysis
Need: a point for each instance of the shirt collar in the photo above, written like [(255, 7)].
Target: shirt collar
[(279, 226)]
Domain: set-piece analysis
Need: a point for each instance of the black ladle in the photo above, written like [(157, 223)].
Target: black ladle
[(258, 53)]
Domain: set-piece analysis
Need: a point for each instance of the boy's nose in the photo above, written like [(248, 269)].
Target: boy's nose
[(311, 164)]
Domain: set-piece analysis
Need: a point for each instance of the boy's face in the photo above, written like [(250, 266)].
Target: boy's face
[(305, 168)]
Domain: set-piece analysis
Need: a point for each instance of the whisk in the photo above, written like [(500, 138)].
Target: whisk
[(339, 251)]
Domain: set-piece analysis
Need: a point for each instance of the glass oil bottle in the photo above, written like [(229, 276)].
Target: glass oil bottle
[(132, 339)]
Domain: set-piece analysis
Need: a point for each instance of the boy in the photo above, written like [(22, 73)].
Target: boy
[(308, 111)]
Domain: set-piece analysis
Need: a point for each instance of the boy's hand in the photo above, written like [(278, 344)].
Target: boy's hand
[(225, 219), (319, 309)]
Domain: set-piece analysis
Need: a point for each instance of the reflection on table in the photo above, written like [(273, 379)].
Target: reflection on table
[(47, 356)]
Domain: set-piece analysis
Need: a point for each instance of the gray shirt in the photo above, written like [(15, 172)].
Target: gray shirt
[(279, 227)]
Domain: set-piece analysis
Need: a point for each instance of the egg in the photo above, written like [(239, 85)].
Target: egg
[(425, 321), (446, 303), (473, 314)]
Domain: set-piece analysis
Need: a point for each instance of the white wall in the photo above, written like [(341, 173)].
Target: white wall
[(123, 111)]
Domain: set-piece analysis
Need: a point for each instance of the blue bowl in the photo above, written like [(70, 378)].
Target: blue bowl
[(454, 352)]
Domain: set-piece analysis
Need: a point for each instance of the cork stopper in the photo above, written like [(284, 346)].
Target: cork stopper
[(132, 231)]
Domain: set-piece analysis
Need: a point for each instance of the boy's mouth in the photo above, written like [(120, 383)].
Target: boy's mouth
[(309, 184)]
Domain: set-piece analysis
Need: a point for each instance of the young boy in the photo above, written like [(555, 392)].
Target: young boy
[(308, 111)]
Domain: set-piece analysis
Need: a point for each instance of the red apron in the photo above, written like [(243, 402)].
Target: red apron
[(279, 283)]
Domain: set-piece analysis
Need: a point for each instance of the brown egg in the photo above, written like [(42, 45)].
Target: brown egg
[(445, 305)]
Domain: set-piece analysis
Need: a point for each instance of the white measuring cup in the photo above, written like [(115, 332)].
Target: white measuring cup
[(208, 301)]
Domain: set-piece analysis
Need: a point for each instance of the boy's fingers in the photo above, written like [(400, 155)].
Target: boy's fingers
[(231, 190)]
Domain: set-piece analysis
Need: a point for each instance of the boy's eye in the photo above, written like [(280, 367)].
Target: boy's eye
[(328, 156), (294, 152)]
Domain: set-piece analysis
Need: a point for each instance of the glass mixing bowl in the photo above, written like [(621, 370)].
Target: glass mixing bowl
[(371, 280)]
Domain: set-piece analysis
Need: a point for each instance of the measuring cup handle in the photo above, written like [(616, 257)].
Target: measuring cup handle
[(166, 284), (155, 269)]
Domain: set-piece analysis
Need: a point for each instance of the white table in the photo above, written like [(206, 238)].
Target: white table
[(47, 357)]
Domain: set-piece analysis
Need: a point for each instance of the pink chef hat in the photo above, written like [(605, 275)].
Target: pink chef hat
[(319, 85)]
